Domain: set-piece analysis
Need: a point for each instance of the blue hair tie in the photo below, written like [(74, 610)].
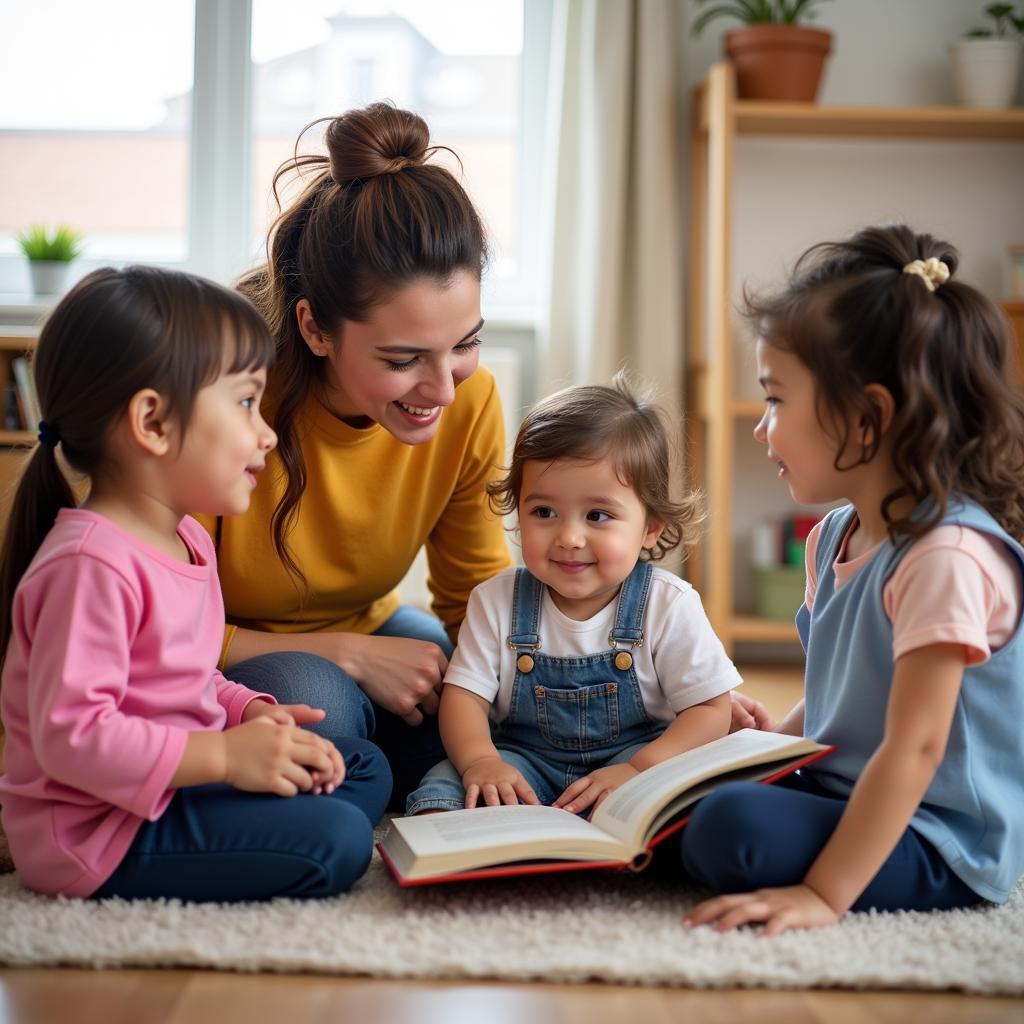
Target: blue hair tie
[(48, 434)]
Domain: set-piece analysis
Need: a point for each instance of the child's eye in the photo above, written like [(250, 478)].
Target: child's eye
[(249, 402), (468, 346), (771, 400), (543, 512), (597, 516)]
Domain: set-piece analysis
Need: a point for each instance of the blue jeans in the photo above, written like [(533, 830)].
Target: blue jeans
[(748, 836), (294, 677), (217, 843), (442, 789)]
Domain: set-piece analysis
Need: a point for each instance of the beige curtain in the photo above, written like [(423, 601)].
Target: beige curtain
[(613, 196)]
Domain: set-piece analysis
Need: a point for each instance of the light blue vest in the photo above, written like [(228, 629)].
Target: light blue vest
[(973, 811)]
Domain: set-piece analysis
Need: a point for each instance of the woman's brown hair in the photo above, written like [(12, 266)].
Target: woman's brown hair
[(592, 422), (375, 217), (854, 317), (115, 333)]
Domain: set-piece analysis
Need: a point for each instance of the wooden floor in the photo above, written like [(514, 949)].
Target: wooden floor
[(45, 996)]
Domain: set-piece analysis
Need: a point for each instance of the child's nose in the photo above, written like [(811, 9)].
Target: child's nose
[(268, 439), (570, 536), (761, 428)]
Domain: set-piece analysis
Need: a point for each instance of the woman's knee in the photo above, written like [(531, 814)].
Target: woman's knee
[(297, 677)]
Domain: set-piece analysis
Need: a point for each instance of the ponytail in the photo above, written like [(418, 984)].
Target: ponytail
[(41, 493)]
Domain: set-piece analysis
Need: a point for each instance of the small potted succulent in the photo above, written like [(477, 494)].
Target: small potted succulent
[(49, 254), (776, 56), (986, 62)]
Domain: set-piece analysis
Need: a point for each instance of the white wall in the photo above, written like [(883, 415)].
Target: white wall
[(793, 192)]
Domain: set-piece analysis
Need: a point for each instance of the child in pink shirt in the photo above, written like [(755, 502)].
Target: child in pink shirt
[(132, 766)]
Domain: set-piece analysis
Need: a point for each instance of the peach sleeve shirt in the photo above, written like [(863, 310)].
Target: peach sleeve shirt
[(955, 585)]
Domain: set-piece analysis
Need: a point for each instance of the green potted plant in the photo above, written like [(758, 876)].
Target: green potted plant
[(49, 254), (776, 56), (986, 62)]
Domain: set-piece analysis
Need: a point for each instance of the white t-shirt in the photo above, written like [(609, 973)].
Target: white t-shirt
[(681, 662)]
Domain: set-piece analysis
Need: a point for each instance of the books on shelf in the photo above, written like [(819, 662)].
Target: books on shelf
[(525, 839), (28, 402)]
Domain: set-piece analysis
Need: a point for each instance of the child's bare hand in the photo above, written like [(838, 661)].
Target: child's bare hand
[(285, 714), (496, 782), (594, 788), (748, 713), (264, 756), (796, 906)]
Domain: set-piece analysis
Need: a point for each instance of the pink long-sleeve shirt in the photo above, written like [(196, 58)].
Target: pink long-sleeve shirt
[(111, 664)]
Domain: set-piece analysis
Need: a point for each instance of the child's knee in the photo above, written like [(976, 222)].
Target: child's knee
[(726, 826)]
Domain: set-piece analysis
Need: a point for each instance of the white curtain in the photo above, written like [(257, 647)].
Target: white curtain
[(612, 196)]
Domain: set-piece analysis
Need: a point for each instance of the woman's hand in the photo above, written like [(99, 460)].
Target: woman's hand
[(595, 787), (264, 756), (748, 713), (796, 906), (401, 675), (497, 783)]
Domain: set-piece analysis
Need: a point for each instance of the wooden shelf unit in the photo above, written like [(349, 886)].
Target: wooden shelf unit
[(713, 409)]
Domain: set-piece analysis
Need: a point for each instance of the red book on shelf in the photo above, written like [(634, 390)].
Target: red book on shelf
[(496, 842)]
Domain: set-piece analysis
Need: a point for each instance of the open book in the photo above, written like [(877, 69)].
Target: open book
[(524, 839)]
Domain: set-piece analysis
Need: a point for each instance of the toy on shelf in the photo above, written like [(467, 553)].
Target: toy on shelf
[(777, 556)]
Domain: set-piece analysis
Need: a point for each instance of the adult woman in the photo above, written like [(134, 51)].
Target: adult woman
[(388, 434)]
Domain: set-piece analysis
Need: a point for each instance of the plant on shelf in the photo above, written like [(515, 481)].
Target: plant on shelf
[(49, 254), (986, 62), (776, 56), (1007, 23)]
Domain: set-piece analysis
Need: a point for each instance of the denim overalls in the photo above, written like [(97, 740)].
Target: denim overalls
[(567, 716)]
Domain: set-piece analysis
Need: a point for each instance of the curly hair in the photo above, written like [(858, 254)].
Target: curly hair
[(592, 422), (854, 318)]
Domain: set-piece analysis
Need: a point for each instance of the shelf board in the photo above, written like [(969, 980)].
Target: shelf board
[(774, 631), (18, 339), (770, 117), (16, 437), (748, 408), (766, 118)]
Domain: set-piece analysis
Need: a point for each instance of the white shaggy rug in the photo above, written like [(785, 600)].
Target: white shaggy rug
[(559, 928)]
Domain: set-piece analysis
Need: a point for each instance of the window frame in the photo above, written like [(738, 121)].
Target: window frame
[(218, 230)]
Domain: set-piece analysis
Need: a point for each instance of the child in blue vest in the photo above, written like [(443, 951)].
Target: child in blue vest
[(576, 673), (889, 383)]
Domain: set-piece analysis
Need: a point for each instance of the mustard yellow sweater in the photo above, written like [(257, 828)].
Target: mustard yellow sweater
[(370, 504)]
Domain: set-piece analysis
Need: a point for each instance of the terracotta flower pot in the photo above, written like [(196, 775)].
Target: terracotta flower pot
[(778, 62)]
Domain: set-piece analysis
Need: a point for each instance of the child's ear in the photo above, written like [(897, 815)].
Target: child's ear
[(148, 421), (885, 408), (318, 343), (654, 532)]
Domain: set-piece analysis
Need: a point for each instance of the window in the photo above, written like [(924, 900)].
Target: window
[(95, 132), (458, 63), (117, 145)]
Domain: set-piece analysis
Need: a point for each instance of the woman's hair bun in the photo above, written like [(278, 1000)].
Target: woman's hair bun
[(374, 140)]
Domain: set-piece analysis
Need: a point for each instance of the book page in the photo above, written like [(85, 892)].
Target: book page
[(484, 828), (629, 811), (437, 844)]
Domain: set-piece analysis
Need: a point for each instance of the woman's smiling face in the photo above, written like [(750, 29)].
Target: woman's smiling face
[(401, 366)]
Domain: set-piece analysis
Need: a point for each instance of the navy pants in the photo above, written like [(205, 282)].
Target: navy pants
[(217, 843), (748, 836), (297, 678)]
